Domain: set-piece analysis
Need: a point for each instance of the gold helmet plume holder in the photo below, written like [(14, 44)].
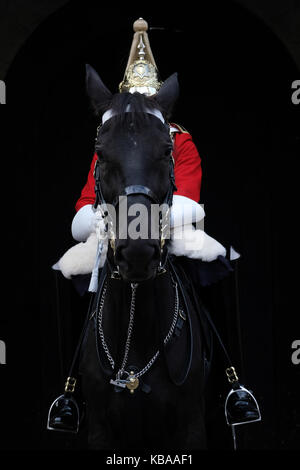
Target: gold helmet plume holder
[(141, 73)]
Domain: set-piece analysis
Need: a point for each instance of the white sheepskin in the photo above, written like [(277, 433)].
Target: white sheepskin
[(87, 257), (196, 244), (79, 259), (185, 241)]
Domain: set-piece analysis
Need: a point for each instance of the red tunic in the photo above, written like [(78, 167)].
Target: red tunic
[(188, 171)]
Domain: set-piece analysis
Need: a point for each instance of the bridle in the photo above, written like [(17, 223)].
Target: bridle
[(134, 190)]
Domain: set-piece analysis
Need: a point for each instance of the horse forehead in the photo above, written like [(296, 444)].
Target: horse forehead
[(146, 137)]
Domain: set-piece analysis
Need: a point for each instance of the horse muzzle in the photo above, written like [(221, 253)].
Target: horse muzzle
[(137, 260)]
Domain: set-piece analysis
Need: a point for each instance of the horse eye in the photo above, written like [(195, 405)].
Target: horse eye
[(101, 154), (98, 150), (102, 160)]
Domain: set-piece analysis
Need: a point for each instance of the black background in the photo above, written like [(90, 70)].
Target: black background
[(235, 78)]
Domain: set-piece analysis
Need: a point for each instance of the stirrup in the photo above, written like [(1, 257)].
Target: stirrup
[(64, 414), (241, 407)]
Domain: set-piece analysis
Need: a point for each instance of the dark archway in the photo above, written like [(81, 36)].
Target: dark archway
[(235, 78)]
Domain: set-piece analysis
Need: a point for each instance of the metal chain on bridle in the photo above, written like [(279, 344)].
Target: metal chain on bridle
[(131, 379)]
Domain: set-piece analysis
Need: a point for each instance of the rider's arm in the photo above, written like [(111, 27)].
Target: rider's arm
[(188, 177), (85, 218), (188, 171), (188, 174), (88, 192)]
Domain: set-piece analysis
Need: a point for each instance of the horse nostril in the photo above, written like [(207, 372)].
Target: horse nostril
[(134, 256), (119, 256), (122, 259)]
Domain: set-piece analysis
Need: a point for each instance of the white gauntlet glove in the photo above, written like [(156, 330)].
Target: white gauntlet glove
[(185, 211), (88, 228), (185, 239), (85, 222)]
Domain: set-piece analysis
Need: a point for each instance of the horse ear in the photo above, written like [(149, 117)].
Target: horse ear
[(168, 93), (98, 93)]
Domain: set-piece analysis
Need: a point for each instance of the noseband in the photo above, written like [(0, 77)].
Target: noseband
[(134, 190)]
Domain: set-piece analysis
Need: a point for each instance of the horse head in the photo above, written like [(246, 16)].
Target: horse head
[(134, 151)]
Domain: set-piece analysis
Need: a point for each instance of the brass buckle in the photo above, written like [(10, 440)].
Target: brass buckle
[(231, 374), (70, 385), (112, 242)]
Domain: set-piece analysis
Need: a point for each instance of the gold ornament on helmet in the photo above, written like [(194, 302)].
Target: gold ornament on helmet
[(141, 74)]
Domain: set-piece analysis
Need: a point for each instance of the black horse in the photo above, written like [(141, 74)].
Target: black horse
[(142, 362)]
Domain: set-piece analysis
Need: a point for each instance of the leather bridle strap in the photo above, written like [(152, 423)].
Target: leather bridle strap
[(132, 191), (136, 189), (186, 308)]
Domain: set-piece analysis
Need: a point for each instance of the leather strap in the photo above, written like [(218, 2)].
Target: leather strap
[(201, 307), (190, 328), (136, 189)]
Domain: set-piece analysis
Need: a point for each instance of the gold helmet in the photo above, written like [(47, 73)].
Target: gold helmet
[(141, 74)]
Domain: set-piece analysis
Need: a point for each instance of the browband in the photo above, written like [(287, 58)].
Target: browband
[(110, 113)]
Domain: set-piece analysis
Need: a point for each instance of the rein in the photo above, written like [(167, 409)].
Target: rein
[(129, 376)]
